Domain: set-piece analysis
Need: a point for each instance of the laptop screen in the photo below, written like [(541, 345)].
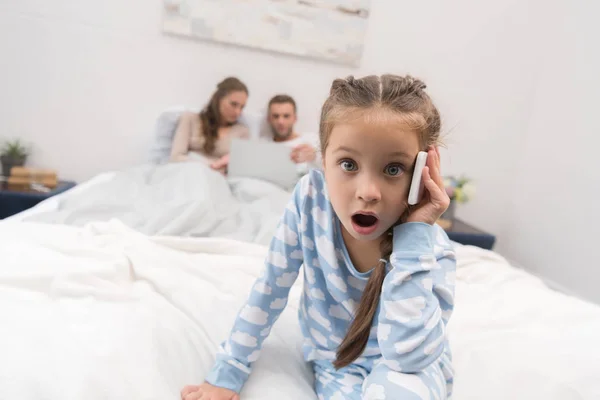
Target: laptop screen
[(259, 159)]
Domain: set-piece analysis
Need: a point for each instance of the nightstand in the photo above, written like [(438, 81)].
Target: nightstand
[(16, 201), (464, 233)]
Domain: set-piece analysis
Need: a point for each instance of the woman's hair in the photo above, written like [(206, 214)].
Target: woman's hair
[(350, 97), (210, 115)]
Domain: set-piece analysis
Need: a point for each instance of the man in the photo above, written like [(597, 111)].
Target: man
[(281, 116)]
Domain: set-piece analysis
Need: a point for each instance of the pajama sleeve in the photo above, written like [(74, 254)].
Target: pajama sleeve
[(417, 297), (267, 299)]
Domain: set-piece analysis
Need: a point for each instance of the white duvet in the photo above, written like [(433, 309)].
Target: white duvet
[(104, 312), (185, 199)]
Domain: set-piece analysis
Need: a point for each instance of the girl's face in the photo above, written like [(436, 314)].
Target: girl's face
[(232, 105), (368, 169)]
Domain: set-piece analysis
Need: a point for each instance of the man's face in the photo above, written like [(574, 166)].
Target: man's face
[(282, 118)]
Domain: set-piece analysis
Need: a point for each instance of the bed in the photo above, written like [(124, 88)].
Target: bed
[(110, 290), (103, 311), (180, 199)]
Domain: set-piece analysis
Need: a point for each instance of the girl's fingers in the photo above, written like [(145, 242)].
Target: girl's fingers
[(187, 390), (434, 166), (440, 178), (194, 396), (434, 170), (436, 193), (190, 396)]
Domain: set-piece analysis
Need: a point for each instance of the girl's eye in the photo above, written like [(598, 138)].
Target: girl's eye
[(348, 165), (394, 170)]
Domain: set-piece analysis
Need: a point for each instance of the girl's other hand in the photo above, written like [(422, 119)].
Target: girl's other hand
[(435, 199), (207, 391)]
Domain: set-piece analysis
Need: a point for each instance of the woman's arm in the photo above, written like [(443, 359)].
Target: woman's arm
[(239, 132), (182, 137), (267, 300), (417, 297)]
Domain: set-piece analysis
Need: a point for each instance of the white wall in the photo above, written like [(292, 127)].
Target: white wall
[(554, 220), (78, 76), (84, 76)]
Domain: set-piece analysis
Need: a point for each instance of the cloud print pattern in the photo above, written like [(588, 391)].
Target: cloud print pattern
[(407, 354)]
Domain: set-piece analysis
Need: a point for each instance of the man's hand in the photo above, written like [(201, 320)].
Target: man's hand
[(304, 153)]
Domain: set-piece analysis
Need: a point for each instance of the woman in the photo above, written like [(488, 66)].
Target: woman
[(207, 135)]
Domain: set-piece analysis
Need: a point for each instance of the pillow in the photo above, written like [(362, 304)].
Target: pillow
[(257, 124), (165, 127)]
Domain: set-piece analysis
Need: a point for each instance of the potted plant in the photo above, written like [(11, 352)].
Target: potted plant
[(460, 190), (13, 154)]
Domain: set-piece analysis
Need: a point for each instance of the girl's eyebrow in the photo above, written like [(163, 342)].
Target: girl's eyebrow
[(401, 154), (392, 154), (346, 149)]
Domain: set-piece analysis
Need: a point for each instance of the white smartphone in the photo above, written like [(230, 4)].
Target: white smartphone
[(416, 186)]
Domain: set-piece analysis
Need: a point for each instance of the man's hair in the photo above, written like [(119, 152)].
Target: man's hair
[(282, 99)]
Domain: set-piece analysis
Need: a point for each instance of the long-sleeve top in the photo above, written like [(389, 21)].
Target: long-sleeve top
[(188, 140), (409, 330)]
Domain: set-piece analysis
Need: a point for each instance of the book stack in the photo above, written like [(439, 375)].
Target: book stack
[(22, 178)]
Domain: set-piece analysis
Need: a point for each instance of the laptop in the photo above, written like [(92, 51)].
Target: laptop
[(264, 160)]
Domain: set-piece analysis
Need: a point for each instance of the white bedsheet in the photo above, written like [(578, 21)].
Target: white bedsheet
[(104, 312), (513, 338), (177, 199)]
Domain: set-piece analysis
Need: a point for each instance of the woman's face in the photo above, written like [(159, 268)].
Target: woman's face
[(231, 106)]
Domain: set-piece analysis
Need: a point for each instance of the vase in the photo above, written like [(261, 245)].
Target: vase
[(8, 162)]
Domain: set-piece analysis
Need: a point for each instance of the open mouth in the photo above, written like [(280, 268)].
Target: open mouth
[(364, 220)]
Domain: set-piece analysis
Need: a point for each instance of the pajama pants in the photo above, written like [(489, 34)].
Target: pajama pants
[(359, 382)]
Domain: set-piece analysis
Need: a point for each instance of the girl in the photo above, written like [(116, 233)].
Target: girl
[(379, 275)]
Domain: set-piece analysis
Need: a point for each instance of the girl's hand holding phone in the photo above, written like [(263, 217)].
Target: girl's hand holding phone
[(435, 200)]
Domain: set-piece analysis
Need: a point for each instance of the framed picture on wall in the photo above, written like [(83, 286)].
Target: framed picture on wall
[(332, 30)]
